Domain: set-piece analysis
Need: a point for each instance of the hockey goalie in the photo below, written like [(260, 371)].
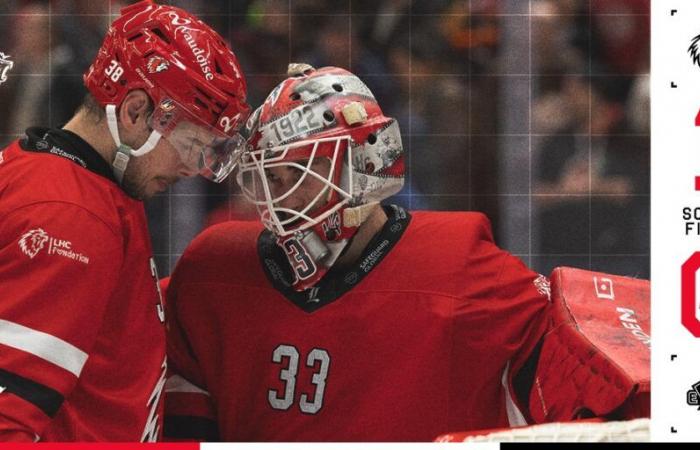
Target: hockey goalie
[(337, 317), (590, 373)]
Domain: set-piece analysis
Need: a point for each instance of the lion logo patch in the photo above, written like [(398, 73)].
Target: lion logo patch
[(33, 241)]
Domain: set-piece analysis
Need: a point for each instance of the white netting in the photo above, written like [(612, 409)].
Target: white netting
[(624, 431)]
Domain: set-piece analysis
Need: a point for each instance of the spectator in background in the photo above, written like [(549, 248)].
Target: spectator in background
[(473, 34), (638, 111), (80, 35), (559, 36), (23, 97), (593, 163), (589, 172), (263, 40), (431, 103), (620, 31)]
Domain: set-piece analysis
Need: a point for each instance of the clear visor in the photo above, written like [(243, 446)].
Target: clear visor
[(291, 184), (202, 148)]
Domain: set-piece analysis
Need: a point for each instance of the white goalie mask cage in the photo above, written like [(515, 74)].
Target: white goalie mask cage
[(300, 157), (315, 116)]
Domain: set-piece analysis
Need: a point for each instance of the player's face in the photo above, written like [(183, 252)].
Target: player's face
[(282, 179), (154, 172)]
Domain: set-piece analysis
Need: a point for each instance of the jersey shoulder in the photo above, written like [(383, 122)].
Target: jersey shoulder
[(225, 252), (28, 178), (448, 253), (465, 226), (449, 237)]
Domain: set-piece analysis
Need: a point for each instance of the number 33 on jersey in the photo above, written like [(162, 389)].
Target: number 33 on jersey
[(287, 356)]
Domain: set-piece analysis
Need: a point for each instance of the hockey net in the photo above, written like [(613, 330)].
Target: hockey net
[(622, 431)]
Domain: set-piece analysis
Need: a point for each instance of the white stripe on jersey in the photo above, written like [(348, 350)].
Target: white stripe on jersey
[(178, 384), (43, 345)]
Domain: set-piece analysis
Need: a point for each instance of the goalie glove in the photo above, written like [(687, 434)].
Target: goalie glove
[(594, 361)]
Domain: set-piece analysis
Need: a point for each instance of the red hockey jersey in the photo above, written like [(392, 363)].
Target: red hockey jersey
[(82, 344), (412, 341)]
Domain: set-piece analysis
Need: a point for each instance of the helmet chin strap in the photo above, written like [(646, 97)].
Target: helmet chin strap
[(124, 152)]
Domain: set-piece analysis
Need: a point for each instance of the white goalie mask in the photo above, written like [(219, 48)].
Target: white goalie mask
[(320, 151)]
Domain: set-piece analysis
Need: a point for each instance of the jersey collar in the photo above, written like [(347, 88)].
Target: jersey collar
[(337, 281), (66, 144)]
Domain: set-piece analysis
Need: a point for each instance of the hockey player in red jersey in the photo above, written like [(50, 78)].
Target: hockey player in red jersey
[(82, 341), (343, 319)]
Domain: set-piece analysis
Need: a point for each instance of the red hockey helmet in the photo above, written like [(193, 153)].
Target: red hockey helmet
[(192, 77), (325, 127)]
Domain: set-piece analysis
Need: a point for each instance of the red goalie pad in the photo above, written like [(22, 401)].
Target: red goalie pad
[(595, 358)]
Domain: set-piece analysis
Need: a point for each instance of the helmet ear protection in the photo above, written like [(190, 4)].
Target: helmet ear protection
[(190, 74), (329, 114)]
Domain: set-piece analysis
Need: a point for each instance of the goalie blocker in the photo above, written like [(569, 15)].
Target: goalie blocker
[(594, 360)]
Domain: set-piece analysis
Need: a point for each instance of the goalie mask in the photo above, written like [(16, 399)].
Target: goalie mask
[(321, 156)]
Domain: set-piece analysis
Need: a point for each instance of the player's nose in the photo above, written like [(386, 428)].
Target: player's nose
[(295, 201)]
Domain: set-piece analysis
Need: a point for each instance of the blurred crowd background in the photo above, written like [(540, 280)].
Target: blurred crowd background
[(533, 112)]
